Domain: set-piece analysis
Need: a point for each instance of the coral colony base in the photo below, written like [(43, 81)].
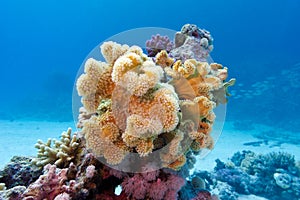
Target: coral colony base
[(145, 119)]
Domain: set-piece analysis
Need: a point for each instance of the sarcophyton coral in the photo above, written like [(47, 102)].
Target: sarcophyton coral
[(138, 103), (61, 153)]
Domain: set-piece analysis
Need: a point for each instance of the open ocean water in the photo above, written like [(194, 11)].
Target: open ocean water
[(44, 43)]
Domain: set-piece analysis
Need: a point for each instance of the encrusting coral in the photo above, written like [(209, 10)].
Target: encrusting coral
[(19, 171), (61, 153)]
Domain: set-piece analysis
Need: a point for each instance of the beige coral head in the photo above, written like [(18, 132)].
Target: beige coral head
[(167, 102), (124, 64), (138, 82), (203, 68), (140, 127), (216, 66), (205, 105), (137, 50), (85, 85), (163, 59), (214, 82), (223, 74), (94, 68), (111, 51)]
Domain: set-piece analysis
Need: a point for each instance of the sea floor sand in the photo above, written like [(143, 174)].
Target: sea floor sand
[(19, 137)]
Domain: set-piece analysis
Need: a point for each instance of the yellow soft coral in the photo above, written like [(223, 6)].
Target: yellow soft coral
[(163, 107), (173, 155), (138, 105), (186, 69), (141, 127), (149, 117), (100, 133), (124, 64), (178, 163), (111, 51), (138, 83), (136, 72), (205, 106), (163, 59), (95, 84)]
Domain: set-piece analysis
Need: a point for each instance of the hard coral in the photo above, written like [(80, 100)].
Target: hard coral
[(61, 153), (158, 43), (19, 172), (14, 193), (273, 175)]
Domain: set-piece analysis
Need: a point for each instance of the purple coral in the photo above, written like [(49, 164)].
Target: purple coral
[(158, 43), (90, 171), (192, 43), (192, 48), (165, 186)]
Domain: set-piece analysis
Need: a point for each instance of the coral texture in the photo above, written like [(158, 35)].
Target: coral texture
[(274, 176), (19, 172), (61, 153), (134, 103), (192, 42), (14, 193), (158, 43), (93, 180), (142, 186), (157, 107)]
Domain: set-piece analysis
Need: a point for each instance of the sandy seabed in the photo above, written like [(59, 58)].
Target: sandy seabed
[(19, 137)]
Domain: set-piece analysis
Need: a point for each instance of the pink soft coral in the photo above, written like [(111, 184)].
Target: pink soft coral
[(48, 186), (154, 185)]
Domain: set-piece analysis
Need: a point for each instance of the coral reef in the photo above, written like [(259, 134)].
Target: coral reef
[(61, 153), (137, 103), (273, 176), (92, 180), (14, 193), (19, 172), (144, 120)]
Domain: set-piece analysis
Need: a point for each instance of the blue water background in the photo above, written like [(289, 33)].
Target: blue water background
[(43, 44)]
